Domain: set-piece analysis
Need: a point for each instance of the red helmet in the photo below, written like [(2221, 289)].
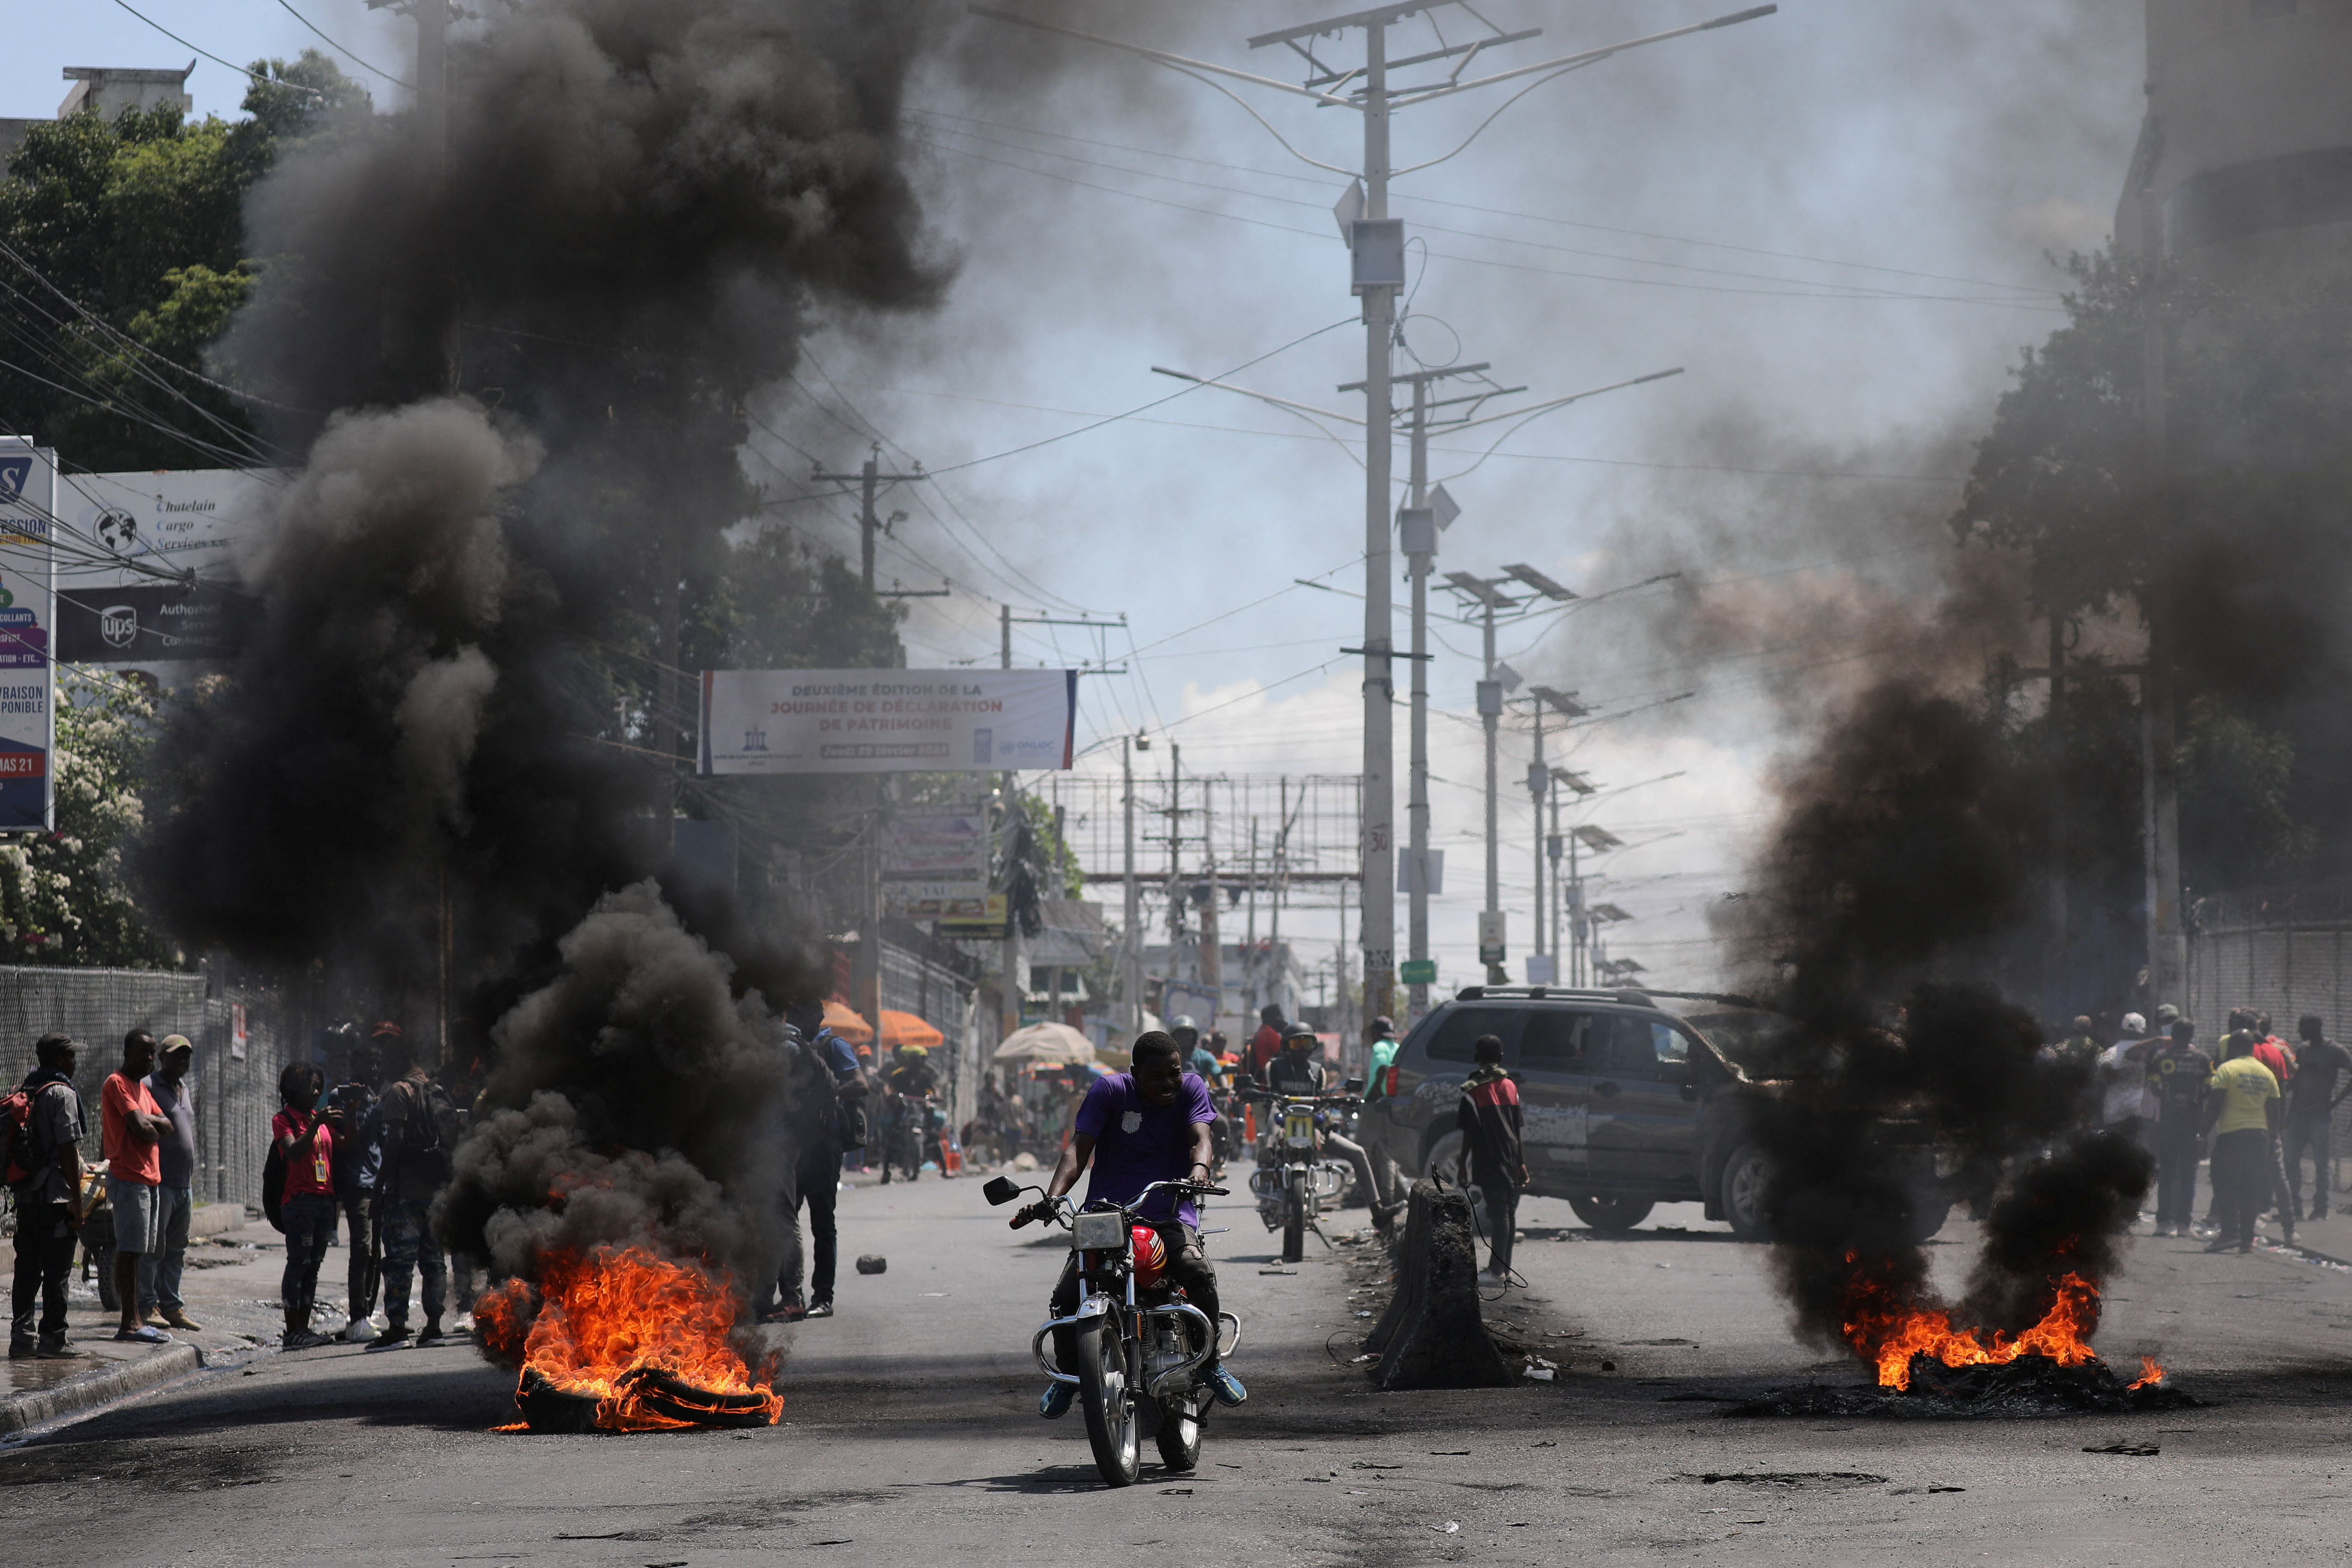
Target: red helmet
[(1150, 1255)]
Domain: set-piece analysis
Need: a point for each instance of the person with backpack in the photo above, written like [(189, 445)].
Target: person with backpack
[(40, 1131), (1493, 1155), (825, 1113), (302, 1168), (420, 1128)]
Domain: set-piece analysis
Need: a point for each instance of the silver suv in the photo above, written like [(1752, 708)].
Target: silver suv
[(1630, 1098)]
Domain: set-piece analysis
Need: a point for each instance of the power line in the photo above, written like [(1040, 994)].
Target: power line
[(265, 82), (346, 52), (1498, 212)]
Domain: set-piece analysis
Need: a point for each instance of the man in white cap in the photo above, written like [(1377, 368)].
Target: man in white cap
[(2128, 1106)]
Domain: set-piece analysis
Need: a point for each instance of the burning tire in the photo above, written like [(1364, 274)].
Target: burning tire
[(1611, 1215), (1745, 1176)]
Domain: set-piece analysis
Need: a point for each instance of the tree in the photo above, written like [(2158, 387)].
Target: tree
[(124, 259), (63, 897)]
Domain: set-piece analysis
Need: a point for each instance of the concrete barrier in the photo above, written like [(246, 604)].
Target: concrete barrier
[(1434, 1334)]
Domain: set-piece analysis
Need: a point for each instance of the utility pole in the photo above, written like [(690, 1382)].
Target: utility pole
[(2168, 944), (1013, 1001), (1175, 869), (1130, 967), (1281, 881), (1249, 939), (869, 478), (1538, 782), (1213, 957), (1378, 275)]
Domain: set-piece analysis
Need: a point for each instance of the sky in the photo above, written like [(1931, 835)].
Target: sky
[(1838, 221)]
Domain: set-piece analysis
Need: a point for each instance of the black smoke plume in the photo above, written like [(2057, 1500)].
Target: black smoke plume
[(518, 388)]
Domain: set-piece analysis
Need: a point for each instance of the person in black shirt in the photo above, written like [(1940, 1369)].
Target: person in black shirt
[(2178, 1073), (2312, 1098)]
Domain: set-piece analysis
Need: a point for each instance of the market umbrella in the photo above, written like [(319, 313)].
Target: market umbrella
[(897, 1028), (1047, 1043)]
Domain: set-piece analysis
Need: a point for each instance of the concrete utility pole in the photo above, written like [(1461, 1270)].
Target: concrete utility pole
[(1013, 1001), (2168, 943), (1538, 785), (1130, 967), (869, 478), (1378, 276)]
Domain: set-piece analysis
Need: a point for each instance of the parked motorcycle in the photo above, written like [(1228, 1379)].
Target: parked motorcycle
[(1293, 1182), (1139, 1346)]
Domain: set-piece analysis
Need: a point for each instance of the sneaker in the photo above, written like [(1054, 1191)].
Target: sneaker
[(58, 1350), (302, 1340), (177, 1318), (432, 1334), (21, 1349), (1054, 1403), (1225, 1386), (358, 1332), (391, 1338), (142, 1335), (825, 1309), (2224, 1245)]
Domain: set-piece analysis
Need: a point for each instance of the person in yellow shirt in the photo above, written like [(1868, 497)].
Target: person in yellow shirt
[(2241, 1111)]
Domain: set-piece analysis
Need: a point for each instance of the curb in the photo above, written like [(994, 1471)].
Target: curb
[(22, 1411)]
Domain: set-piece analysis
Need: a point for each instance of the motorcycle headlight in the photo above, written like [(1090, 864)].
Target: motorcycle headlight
[(1100, 1232)]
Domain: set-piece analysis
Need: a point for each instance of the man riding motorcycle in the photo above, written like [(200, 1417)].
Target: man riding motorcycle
[(1296, 1071), (1137, 1128)]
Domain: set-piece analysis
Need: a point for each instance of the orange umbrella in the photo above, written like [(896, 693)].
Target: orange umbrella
[(897, 1028)]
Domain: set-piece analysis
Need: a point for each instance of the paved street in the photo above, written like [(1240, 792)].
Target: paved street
[(909, 1434)]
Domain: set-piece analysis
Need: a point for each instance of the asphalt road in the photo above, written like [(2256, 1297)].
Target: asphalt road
[(910, 1435)]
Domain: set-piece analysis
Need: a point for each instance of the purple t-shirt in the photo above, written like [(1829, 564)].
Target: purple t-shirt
[(1137, 1143)]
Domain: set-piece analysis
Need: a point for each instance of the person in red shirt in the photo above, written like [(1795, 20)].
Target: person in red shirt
[(306, 1202), (1266, 1043), (131, 1129), (1494, 1149)]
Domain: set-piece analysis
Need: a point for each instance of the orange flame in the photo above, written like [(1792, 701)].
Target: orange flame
[(613, 1311), (2150, 1374), (1887, 1331)]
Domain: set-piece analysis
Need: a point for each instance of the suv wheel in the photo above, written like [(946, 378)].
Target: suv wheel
[(1745, 1175), (1611, 1213)]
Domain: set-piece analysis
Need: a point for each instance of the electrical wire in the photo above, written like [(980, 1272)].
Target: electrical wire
[(346, 52), (265, 82)]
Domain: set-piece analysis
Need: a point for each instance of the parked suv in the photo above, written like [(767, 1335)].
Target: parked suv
[(1632, 1099)]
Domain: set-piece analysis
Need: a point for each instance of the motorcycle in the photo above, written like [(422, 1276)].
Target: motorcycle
[(1138, 1344), (1293, 1182)]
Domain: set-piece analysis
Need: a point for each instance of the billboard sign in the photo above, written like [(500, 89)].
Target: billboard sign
[(936, 867), (887, 721), (28, 499), (121, 608)]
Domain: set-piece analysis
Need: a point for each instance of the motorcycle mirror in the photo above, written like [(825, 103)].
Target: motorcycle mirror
[(1353, 1086), (1001, 1190)]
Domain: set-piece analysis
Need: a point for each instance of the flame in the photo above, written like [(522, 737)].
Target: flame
[(615, 1310), (2150, 1374), (1886, 1330)]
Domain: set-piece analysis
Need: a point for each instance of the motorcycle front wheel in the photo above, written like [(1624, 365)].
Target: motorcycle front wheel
[(1180, 1440), (1112, 1426), (1294, 1220)]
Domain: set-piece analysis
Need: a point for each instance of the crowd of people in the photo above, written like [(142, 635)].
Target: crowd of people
[(2258, 1106)]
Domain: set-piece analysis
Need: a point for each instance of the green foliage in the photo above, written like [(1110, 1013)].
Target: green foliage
[(1057, 864), (131, 248), (2236, 823), (787, 604), (63, 897)]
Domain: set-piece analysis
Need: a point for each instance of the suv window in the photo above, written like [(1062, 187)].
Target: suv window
[(1457, 1032), (1635, 1046), (1554, 1039)]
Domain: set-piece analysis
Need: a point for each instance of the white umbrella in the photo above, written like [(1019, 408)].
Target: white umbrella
[(1046, 1043)]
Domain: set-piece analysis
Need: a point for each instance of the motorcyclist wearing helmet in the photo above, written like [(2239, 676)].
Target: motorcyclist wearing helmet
[(1202, 1059), (1296, 1071), (1135, 1128)]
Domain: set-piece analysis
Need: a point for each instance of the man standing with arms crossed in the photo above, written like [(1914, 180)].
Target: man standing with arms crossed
[(160, 1270)]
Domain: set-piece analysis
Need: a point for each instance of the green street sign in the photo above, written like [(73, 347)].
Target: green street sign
[(1418, 972)]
